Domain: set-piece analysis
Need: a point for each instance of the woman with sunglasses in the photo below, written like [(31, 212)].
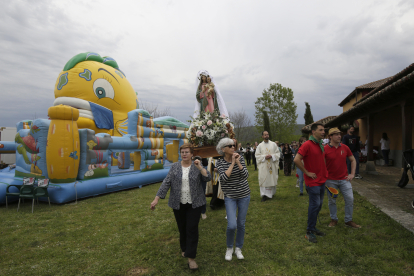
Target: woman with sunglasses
[(233, 179)]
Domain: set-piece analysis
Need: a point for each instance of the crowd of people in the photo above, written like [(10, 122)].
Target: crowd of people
[(317, 164)]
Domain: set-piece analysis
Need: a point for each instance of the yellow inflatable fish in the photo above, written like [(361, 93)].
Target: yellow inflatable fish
[(99, 90)]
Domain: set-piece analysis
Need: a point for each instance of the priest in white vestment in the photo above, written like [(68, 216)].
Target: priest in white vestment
[(267, 158)]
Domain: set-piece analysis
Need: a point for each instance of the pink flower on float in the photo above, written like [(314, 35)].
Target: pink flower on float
[(204, 127), (222, 135), (223, 116), (227, 131), (199, 133), (209, 122)]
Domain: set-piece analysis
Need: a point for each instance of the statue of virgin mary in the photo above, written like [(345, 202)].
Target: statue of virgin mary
[(208, 97)]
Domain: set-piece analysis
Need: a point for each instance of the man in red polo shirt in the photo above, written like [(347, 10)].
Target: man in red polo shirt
[(315, 173), (338, 178)]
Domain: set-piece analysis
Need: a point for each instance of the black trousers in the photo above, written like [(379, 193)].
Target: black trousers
[(255, 164), (248, 159), (216, 202), (187, 221), (288, 166)]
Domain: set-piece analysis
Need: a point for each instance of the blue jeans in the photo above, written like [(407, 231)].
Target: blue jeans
[(346, 190), (316, 194), (232, 204), (385, 154), (348, 163), (301, 179)]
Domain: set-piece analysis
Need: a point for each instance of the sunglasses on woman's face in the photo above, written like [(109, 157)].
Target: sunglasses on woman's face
[(230, 146)]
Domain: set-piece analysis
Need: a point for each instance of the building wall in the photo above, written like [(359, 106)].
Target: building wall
[(348, 105), (389, 121), (361, 130), (351, 102)]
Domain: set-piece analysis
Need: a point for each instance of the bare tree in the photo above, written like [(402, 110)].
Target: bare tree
[(242, 124), (155, 110)]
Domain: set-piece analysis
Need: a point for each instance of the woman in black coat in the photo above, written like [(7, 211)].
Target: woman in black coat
[(287, 156)]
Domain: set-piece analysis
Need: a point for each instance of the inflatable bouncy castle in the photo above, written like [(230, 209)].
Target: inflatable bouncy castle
[(96, 140)]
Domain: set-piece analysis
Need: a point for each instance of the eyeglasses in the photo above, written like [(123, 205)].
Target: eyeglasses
[(230, 146)]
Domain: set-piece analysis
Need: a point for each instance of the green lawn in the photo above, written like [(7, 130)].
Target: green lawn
[(117, 234)]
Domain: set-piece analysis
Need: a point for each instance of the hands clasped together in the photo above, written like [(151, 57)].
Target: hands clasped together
[(235, 158)]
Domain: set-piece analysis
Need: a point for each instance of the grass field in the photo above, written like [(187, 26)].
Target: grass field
[(117, 234)]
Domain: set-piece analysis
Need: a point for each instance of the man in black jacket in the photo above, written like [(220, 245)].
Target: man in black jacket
[(352, 141), (248, 154), (254, 155)]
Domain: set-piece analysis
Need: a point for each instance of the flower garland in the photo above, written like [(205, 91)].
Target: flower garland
[(208, 128)]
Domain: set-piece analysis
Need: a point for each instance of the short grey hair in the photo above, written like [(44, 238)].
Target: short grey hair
[(222, 143)]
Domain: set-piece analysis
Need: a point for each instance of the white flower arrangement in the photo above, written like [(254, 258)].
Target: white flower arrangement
[(208, 128)]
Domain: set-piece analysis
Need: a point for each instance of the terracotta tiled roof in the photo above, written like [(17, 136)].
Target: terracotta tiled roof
[(367, 86), (373, 84), (307, 129), (390, 80)]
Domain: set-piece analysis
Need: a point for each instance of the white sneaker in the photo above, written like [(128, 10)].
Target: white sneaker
[(229, 254), (358, 176), (239, 254), (203, 216)]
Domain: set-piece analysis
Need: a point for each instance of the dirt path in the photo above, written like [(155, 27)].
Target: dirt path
[(382, 191)]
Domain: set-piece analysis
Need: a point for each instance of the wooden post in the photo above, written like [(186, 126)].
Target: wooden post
[(407, 125), (370, 125), (370, 166)]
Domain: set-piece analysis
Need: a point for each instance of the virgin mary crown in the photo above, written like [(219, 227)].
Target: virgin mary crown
[(202, 73)]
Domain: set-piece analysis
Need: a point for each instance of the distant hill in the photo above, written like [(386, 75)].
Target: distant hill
[(298, 129)]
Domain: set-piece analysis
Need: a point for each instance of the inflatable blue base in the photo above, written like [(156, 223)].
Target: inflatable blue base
[(62, 193)]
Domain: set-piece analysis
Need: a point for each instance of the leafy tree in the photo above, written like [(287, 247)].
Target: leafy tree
[(308, 118), (308, 115), (266, 123), (278, 102)]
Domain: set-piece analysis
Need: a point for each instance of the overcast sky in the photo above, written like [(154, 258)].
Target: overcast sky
[(321, 50)]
